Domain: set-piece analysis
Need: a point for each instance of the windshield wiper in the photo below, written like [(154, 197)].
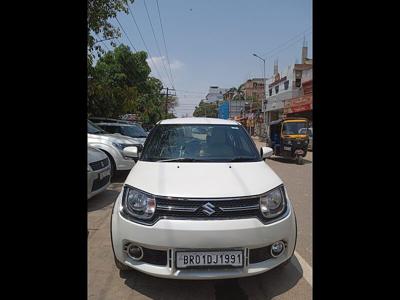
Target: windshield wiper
[(181, 159), (242, 158)]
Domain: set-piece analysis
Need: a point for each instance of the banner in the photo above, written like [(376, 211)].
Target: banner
[(299, 104)]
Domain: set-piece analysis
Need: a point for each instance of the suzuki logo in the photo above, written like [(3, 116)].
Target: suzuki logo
[(208, 208)]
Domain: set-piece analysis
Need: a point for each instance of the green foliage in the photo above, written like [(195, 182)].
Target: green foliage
[(99, 14), (119, 83), (206, 110)]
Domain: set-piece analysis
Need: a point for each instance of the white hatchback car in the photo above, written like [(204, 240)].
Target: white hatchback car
[(113, 145), (201, 203), (98, 176)]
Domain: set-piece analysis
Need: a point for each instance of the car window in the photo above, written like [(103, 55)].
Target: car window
[(110, 129), (133, 131), (200, 142), (92, 128)]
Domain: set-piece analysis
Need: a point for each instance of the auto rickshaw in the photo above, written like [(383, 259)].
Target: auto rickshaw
[(288, 139)]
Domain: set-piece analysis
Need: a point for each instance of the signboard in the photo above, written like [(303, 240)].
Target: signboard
[(223, 110), (298, 104)]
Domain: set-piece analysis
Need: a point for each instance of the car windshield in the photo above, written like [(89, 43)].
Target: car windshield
[(200, 143), (92, 128), (293, 128), (133, 131)]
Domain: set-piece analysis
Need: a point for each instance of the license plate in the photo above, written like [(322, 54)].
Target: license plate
[(287, 148), (103, 174), (233, 258)]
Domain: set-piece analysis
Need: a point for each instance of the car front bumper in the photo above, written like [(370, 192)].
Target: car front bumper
[(190, 235), (95, 184)]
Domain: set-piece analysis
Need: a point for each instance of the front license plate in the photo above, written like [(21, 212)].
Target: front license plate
[(287, 148), (103, 174), (232, 258)]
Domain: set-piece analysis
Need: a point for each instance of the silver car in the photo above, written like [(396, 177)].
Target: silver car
[(98, 175)]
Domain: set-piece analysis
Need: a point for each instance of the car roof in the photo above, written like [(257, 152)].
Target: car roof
[(116, 124), (207, 121)]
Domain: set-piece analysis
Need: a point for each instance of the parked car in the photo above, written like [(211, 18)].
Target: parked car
[(97, 120), (99, 172), (131, 130), (310, 136), (202, 207), (112, 145)]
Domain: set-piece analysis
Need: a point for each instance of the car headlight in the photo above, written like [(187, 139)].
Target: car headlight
[(273, 203), (138, 204)]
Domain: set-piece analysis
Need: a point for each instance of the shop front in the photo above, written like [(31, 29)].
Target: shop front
[(300, 107)]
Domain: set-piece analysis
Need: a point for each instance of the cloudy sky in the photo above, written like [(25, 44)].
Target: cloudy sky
[(211, 42)]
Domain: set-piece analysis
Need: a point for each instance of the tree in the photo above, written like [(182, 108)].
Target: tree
[(99, 14), (120, 84), (206, 110)]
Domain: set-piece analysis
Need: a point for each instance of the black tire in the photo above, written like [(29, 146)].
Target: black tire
[(121, 266)]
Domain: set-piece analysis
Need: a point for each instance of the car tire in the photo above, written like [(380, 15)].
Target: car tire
[(121, 266)]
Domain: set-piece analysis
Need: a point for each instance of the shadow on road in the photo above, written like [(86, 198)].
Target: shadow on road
[(289, 160), (264, 286), (120, 176), (102, 200)]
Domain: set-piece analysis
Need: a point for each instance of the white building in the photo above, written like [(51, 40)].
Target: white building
[(215, 93), (285, 86)]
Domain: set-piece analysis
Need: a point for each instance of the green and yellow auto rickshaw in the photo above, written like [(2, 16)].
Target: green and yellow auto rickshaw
[(288, 139)]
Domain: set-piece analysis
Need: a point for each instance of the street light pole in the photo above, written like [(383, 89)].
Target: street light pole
[(265, 86)]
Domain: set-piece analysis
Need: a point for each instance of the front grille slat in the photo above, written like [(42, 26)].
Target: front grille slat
[(220, 209), (97, 165)]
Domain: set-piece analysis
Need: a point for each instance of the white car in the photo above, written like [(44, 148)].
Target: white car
[(201, 203), (98, 175), (113, 145), (130, 130)]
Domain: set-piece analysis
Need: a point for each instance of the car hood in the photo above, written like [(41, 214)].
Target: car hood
[(203, 180), (115, 138), (95, 155)]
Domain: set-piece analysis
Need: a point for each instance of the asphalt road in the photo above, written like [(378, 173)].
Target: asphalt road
[(294, 281)]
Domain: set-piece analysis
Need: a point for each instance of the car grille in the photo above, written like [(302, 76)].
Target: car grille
[(207, 209), (97, 183), (97, 165)]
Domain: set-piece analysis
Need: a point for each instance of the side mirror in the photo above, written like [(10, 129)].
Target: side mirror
[(131, 151), (266, 152)]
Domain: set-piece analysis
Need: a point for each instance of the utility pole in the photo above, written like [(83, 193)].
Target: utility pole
[(166, 105), (167, 99)]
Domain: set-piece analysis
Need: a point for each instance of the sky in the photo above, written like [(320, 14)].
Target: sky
[(211, 42)]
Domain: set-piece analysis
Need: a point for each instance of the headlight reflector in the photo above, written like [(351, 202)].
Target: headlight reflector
[(273, 203), (138, 204)]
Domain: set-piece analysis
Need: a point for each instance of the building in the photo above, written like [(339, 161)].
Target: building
[(215, 94), (253, 90), (289, 93), (302, 105)]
